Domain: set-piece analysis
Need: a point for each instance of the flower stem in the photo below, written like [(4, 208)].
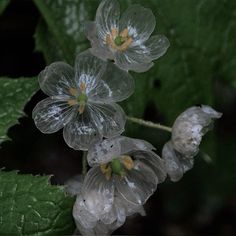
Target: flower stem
[(84, 163), (149, 124)]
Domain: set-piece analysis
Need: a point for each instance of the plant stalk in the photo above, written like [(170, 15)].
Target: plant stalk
[(149, 124)]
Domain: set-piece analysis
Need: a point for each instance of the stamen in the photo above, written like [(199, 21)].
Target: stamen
[(114, 32), (126, 44), (125, 33), (72, 102), (128, 162), (82, 86), (120, 41), (81, 98), (73, 91), (108, 39), (106, 170)]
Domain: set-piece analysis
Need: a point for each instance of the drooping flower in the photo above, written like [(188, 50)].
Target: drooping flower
[(89, 223), (127, 39), (83, 100), (187, 133)]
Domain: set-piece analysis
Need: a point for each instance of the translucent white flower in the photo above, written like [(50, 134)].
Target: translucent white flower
[(127, 39), (187, 132), (82, 100), (125, 166), (124, 173), (89, 223)]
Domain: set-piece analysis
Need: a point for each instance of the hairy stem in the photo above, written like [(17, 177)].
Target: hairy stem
[(149, 124), (84, 163)]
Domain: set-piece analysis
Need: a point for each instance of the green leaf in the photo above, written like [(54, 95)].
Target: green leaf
[(14, 94), (3, 5), (29, 205), (202, 38), (45, 42), (65, 20)]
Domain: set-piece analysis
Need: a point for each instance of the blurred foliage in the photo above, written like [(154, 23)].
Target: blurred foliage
[(65, 26), (31, 206), (14, 94), (3, 5)]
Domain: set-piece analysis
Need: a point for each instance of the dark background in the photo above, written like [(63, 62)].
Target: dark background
[(202, 203)]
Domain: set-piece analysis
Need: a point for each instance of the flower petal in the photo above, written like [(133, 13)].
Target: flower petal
[(130, 145), (108, 149), (97, 192), (98, 48), (129, 208), (211, 112), (82, 215), (81, 230), (138, 184), (57, 79), (130, 60), (107, 17), (116, 216), (115, 85), (153, 161), (140, 22), (50, 115), (121, 208), (156, 46), (103, 229), (189, 128), (81, 132), (138, 58), (175, 164), (109, 118), (104, 152), (89, 70)]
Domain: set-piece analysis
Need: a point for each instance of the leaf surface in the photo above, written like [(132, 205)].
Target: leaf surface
[(29, 205), (14, 94)]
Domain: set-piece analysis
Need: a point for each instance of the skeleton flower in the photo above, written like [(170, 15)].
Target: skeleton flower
[(90, 223), (125, 39), (123, 166), (82, 100), (187, 133)]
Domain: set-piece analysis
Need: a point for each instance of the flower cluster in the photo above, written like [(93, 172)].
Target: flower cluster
[(124, 172)]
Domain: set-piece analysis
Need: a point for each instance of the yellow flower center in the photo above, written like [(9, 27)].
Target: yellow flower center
[(80, 97), (117, 166), (119, 41)]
